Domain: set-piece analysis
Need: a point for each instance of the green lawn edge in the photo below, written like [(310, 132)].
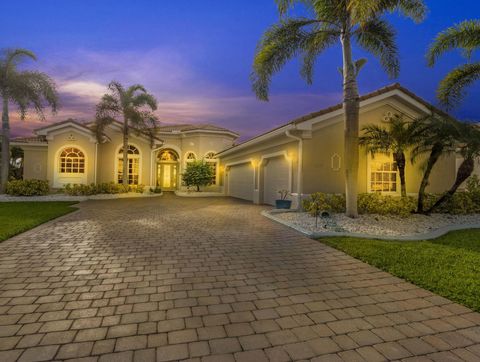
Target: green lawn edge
[(18, 217), (448, 266)]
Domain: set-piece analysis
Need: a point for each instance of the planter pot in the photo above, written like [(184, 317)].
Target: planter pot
[(283, 204)]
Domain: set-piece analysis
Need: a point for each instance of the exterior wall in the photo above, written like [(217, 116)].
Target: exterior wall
[(108, 157), (319, 175), (274, 148), (35, 162), (69, 137)]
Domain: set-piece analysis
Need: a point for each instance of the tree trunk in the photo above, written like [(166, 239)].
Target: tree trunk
[(5, 164), (463, 173), (125, 154), (351, 116), (400, 161), (435, 154)]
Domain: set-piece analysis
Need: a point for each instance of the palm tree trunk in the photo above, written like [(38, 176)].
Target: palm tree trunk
[(435, 154), (5, 164), (400, 161), (463, 173), (125, 154), (351, 115)]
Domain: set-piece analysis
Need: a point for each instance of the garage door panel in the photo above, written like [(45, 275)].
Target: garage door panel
[(241, 182), (276, 176)]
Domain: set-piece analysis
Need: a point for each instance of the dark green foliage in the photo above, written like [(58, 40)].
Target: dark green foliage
[(27, 187), (448, 265), (198, 173), (17, 217), (101, 188)]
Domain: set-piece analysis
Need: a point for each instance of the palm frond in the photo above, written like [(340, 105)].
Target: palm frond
[(452, 88), (144, 99), (282, 42), (32, 89), (464, 36), (285, 5), (378, 37), (364, 10)]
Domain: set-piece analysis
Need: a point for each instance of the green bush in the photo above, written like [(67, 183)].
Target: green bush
[(198, 173), (27, 187), (94, 189), (139, 189), (156, 190), (320, 201)]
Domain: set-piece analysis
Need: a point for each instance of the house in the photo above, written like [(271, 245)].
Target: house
[(302, 156), (68, 152), (306, 155)]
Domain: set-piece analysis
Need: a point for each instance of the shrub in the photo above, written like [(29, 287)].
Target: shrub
[(27, 187), (94, 189), (319, 202), (139, 189), (198, 173), (386, 205), (156, 190)]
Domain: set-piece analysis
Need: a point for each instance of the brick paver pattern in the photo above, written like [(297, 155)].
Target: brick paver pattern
[(209, 280)]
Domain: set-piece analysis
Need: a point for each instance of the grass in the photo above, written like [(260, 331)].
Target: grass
[(448, 266), (17, 217)]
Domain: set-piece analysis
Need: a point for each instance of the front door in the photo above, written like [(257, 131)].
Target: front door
[(167, 176)]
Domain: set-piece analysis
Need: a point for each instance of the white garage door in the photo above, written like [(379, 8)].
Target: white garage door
[(276, 177), (240, 181)]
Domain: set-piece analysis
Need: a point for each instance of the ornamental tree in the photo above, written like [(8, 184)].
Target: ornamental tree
[(198, 173)]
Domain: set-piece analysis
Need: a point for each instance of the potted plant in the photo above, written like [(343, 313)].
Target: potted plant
[(283, 203)]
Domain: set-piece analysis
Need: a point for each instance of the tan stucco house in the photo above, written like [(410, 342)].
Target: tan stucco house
[(302, 156), (68, 152)]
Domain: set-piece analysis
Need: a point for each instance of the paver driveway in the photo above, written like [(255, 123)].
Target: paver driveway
[(212, 280)]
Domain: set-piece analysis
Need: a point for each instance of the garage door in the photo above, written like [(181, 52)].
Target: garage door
[(276, 177), (240, 181)]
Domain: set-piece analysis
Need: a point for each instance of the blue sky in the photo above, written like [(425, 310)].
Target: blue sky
[(195, 56)]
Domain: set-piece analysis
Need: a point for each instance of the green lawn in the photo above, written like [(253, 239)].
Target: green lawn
[(449, 265), (17, 217)]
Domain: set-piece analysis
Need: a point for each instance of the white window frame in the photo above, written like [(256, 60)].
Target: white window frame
[(372, 159), (118, 156), (213, 160)]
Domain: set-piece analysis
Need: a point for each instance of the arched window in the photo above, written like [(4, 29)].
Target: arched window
[(167, 155), (133, 165), (72, 160), (212, 161), (190, 156)]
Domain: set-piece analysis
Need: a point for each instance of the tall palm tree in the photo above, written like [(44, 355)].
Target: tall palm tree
[(332, 22), (133, 106), (24, 89), (468, 135), (396, 138), (465, 37), (435, 136)]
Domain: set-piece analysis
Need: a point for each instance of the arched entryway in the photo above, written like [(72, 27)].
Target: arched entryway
[(167, 169)]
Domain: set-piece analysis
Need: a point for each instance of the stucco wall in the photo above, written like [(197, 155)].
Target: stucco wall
[(35, 162), (70, 137)]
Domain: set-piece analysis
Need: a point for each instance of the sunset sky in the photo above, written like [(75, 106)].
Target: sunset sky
[(195, 56)]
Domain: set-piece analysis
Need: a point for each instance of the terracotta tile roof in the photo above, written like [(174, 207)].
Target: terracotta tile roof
[(70, 120), (31, 140), (380, 91), (192, 127)]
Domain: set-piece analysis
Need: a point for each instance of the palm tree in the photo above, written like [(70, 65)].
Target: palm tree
[(436, 136), (24, 89), (468, 135), (396, 138), (332, 22), (134, 107), (466, 37)]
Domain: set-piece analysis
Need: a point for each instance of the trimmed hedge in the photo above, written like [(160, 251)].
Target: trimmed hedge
[(31, 187), (101, 188), (462, 202)]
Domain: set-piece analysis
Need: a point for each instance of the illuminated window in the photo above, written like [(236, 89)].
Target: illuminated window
[(383, 174), (133, 165), (72, 160), (168, 155), (190, 156), (212, 161)]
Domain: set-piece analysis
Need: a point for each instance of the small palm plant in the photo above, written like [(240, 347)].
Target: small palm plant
[(133, 106), (332, 22), (435, 136), (25, 89), (396, 138), (468, 136), (465, 37)]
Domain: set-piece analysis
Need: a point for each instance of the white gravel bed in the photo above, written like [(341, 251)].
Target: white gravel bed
[(63, 197), (380, 225)]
